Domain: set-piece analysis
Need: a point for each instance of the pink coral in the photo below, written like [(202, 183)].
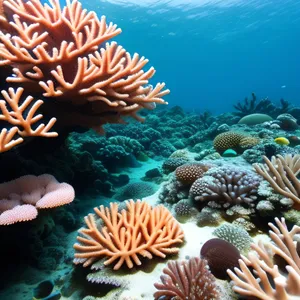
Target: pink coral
[(20, 198)]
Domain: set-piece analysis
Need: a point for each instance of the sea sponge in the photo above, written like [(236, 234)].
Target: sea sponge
[(172, 163), (249, 142), (189, 172), (135, 190)]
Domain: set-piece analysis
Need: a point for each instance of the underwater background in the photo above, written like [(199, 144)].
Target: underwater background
[(220, 50), (176, 178)]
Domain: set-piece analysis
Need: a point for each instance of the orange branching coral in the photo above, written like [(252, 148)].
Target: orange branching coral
[(122, 237), (18, 114), (269, 281), (63, 54)]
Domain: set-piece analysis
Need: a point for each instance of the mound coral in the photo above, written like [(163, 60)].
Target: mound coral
[(233, 140), (268, 281), (61, 53), (235, 235), (189, 279), (20, 198), (189, 172), (220, 256), (122, 237), (230, 184)]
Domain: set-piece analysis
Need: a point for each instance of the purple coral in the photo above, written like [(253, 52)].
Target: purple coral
[(189, 279), (230, 184)]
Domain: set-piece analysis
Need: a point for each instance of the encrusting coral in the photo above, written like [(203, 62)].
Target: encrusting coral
[(61, 53), (269, 281), (122, 237)]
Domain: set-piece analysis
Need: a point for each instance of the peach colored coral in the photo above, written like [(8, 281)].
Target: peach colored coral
[(20, 198), (122, 237), (63, 53), (21, 114)]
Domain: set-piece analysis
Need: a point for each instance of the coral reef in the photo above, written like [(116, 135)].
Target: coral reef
[(54, 52), (139, 230)]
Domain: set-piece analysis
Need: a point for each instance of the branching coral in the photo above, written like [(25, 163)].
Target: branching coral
[(21, 115), (139, 230), (63, 54), (281, 173), (58, 48), (189, 279), (268, 281)]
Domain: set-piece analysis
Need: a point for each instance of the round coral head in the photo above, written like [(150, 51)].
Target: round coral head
[(220, 256)]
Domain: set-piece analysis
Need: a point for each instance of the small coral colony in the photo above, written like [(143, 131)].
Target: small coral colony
[(236, 173)]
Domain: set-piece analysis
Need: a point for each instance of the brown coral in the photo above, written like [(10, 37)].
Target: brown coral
[(233, 140), (139, 230), (189, 172), (189, 279)]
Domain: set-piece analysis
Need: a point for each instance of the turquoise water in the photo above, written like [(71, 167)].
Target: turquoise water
[(213, 53)]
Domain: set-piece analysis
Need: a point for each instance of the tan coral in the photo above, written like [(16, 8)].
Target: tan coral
[(268, 282), (140, 230), (234, 140), (281, 173)]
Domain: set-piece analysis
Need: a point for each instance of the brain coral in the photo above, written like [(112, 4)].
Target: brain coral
[(233, 140), (189, 172)]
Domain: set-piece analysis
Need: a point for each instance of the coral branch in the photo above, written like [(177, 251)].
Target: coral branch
[(286, 284), (122, 237), (64, 54), (22, 116)]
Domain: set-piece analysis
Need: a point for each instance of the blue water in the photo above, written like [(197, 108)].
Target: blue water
[(213, 53)]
